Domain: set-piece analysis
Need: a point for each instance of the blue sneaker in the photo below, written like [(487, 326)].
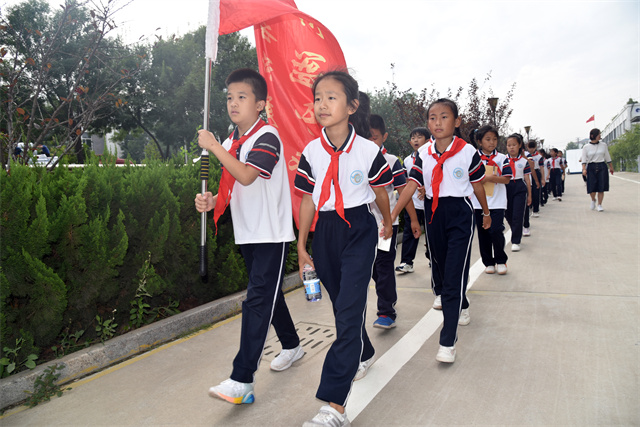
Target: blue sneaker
[(384, 322)]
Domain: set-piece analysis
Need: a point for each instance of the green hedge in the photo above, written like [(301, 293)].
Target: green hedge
[(93, 241)]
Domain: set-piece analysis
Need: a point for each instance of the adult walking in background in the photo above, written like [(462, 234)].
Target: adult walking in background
[(595, 160)]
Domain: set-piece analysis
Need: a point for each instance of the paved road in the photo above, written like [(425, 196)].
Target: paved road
[(554, 342)]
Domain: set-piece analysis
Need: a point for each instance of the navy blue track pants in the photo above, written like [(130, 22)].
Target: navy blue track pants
[(491, 241), (385, 277), (450, 234), (516, 204), (344, 257), (264, 306)]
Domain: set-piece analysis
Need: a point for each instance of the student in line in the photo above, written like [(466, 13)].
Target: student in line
[(255, 174), (340, 174), (418, 138), (451, 171), (383, 272), (497, 175), (518, 188)]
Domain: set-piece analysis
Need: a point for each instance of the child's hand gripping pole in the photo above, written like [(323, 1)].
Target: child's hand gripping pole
[(204, 176)]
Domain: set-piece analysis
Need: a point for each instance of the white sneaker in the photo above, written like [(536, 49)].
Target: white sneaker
[(437, 303), (233, 392), (515, 247), (464, 318), (599, 208), (526, 232), (593, 205), (446, 354), (536, 215), (286, 358), (490, 269), (329, 417), (501, 269), (554, 199), (364, 368), (559, 199), (404, 268)]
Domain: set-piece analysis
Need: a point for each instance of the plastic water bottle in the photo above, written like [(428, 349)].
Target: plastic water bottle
[(311, 283)]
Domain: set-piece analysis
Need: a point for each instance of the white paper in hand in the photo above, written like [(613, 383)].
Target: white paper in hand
[(383, 245)]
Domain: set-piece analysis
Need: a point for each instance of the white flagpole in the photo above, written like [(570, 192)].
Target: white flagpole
[(211, 51)]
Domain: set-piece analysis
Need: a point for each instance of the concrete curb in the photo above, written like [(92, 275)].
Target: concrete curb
[(14, 389)]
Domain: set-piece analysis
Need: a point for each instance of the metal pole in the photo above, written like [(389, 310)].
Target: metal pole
[(204, 176)]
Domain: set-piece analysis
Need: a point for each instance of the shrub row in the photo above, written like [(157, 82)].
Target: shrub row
[(82, 246)]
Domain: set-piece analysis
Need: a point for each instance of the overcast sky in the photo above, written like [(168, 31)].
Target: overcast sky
[(569, 59)]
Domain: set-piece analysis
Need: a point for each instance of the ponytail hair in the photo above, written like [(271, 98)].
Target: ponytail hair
[(360, 119)]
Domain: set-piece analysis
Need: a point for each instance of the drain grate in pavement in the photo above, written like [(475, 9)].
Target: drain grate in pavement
[(313, 338)]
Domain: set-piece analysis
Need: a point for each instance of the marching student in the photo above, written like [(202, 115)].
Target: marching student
[(595, 160), (451, 171), (535, 189), (497, 175), (563, 163), (383, 273), (555, 168), (542, 178), (255, 174), (419, 137), (340, 174), (518, 188)]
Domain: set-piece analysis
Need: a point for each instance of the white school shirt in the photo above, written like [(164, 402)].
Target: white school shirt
[(595, 153), (499, 198), (399, 181), (261, 211), (522, 167), (458, 172), (408, 164), (361, 168), (537, 159)]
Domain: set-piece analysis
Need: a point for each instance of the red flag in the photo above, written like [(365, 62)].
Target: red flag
[(236, 15), (592, 118), (293, 48)]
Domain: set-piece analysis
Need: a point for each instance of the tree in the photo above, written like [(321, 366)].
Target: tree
[(59, 73), (410, 109), (626, 149), (166, 100), (572, 146)]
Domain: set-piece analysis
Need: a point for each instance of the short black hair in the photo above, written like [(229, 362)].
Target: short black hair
[(252, 78), (594, 134), (421, 131), (377, 122), (532, 144)]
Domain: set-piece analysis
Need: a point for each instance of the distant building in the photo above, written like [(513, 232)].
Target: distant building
[(621, 124), (99, 144)]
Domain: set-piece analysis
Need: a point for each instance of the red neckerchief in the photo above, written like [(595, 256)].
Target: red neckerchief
[(384, 151), (512, 163), (436, 178), (332, 174), (489, 160), (227, 180), (553, 163)]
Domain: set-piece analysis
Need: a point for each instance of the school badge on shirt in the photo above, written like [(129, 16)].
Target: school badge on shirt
[(357, 177)]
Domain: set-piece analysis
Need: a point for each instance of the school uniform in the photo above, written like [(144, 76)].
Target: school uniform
[(554, 167), (450, 228), (516, 195), (263, 228), (344, 246), (410, 243), (538, 162), (383, 268), (596, 156), (546, 188), (491, 241)]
